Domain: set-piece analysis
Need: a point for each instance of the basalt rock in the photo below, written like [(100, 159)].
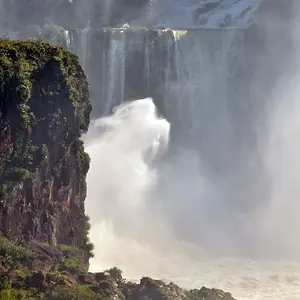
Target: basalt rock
[(44, 109)]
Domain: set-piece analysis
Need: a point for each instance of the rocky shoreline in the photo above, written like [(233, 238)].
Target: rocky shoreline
[(33, 270)]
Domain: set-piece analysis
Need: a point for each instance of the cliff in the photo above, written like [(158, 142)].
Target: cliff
[(44, 248), (44, 108)]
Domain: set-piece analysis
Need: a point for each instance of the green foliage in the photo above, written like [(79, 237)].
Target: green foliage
[(73, 258), (21, 273), (54, 75), (3, 191), (84, 160), (13, 254), (73, 263), (87, 246), (72, 293), (19, 174), (25, 120), (44, 102), (24, 160), (56, 275), (115, 273), (16, 294), (69, 250), (77, 292), (5, 279)]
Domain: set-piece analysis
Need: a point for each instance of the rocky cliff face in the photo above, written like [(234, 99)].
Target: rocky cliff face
[(44, 109)]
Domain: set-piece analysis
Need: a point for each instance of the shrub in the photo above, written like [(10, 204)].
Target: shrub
[(13, 254), (13, 294), (71, 293)]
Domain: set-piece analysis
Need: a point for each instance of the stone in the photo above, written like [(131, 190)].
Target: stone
[(36, 280)]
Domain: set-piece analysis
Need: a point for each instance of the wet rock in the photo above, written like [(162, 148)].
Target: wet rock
[(86, 279), (101, 276)]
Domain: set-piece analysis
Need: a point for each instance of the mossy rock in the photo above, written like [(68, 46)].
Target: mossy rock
[(40, 85)]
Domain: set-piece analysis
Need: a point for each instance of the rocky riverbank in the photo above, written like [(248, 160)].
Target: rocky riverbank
[(33, 270)]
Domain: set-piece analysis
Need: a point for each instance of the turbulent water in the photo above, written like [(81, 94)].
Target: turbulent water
[(135, 233), (220, 207)]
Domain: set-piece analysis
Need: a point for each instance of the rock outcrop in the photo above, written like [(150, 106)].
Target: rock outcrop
[(40, 271), (44, 109)]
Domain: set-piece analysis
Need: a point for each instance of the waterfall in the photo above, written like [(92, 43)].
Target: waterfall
[(199, 80), (224, 74), (84, 46), (206, 79), (166, 58), (118, 57)]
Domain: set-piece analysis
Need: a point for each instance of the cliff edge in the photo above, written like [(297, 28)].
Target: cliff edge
[(44, 246), (44, 109)]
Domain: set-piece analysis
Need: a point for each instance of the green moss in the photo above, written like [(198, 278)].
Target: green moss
[(39, 82)]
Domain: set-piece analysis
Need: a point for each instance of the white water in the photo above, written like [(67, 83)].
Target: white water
[(131, 229), (174, 221)]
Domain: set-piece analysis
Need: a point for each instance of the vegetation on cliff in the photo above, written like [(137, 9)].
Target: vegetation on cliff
[(44, 109), (41, 271)]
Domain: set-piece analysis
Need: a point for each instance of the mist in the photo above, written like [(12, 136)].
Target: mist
[(155, 207), (144, 203)]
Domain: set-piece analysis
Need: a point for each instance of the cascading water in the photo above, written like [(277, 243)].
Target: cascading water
[(124, 148), (210, 214), (116, 52), (152, 214)]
